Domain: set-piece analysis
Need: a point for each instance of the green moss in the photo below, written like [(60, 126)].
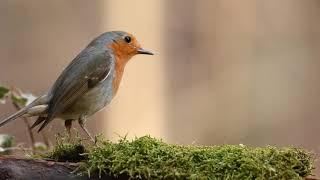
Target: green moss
[(149, 158), (67, 150)]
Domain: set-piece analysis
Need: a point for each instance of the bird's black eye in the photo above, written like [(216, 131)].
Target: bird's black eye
[(127, 39)]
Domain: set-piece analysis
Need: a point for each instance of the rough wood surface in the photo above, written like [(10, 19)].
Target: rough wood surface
[(34, 169), (18, 168)]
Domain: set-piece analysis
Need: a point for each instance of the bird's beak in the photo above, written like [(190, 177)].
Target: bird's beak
[(143, 51)]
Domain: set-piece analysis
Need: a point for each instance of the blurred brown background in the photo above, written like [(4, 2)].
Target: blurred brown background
[(225, 71)]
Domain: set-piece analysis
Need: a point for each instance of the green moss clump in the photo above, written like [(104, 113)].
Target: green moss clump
[(149, 158), (67, 150)]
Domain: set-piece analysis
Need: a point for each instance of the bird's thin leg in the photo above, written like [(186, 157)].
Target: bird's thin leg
[(68, 125), (82, 121)]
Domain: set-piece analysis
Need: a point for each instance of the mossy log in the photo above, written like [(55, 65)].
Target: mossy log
[(149, 158), (21, 168)]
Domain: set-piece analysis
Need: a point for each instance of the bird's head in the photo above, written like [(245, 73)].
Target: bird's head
[(123, 45)]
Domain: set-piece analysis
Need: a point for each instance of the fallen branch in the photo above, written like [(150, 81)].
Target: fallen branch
[(19, 168)]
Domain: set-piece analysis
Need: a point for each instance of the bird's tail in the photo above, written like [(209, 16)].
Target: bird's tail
[(14, 116), (34, 108)]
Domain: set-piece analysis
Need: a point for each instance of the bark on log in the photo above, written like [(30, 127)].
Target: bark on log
[(18, 168), (34, 169)]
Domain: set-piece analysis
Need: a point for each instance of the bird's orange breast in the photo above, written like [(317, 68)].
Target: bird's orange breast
[(121, 59), (119, 68)]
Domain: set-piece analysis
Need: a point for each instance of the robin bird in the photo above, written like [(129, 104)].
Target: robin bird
[(87, 84)]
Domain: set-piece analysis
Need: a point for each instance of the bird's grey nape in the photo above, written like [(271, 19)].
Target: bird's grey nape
[(107, 38)]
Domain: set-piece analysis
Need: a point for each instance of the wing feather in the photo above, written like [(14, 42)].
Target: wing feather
[(88, 69)]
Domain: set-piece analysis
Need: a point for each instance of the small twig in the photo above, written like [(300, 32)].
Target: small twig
[(311, 178), (16, 91), (25, 120), (45, 138)]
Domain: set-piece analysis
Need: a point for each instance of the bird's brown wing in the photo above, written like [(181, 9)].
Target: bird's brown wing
[(89, 68)]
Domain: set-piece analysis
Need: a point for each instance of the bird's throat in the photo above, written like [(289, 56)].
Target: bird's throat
[(122, 56), (119, 69)]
